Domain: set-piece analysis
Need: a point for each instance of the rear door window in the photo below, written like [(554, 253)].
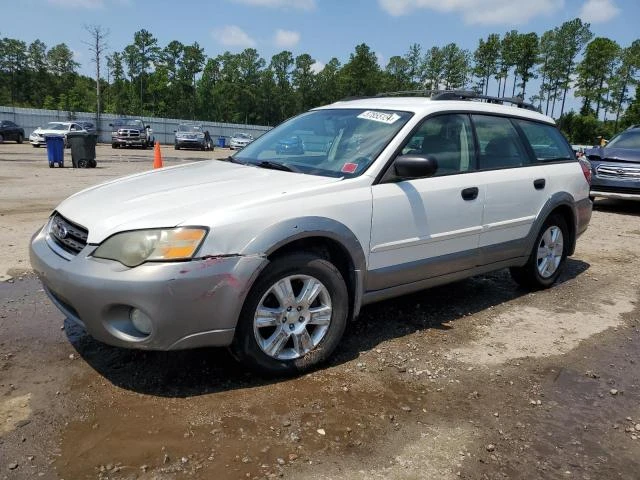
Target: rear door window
[(499, 143), (546, 141)]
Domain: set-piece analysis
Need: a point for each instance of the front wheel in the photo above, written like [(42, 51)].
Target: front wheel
[(548, 256), (20, 138), (294, 316)]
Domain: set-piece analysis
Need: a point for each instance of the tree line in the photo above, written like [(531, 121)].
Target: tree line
[(180, 81)]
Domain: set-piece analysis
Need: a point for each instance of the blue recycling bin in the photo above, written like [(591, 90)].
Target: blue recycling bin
[(55, 150), (221, 142)]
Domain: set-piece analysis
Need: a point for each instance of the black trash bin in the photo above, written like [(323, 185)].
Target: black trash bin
[(83, 149)]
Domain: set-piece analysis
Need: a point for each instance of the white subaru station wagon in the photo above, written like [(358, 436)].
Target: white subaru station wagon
[(273, 253)]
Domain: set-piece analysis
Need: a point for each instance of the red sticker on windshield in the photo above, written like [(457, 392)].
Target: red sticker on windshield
[(349, 167)]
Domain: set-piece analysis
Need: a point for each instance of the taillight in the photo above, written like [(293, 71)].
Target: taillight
[(586, 169)]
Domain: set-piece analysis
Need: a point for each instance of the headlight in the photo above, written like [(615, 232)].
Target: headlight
[(139, 246)]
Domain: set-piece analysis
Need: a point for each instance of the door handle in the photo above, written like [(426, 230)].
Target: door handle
[(539, 183), (470, 193)]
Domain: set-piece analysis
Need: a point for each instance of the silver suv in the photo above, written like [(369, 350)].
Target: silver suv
[(273, 253), (189, 135)]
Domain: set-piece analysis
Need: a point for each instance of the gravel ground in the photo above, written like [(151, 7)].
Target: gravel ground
[(477, 379)]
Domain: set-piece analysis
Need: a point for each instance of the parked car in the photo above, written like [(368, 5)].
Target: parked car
[(616, 166), (189, 135), (580, 150), (130, 132), (240, 140), (88, 126), (273, 255), (10, 131), (37, 137), (290, 146)]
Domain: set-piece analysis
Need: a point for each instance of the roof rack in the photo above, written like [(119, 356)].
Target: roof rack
[(461, 95)]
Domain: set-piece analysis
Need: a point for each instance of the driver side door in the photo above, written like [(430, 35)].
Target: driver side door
[(427, 227)]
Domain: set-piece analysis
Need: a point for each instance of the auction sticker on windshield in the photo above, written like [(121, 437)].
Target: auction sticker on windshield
[(388, 118)]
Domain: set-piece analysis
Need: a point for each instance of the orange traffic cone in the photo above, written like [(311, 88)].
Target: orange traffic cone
[(157, 156)]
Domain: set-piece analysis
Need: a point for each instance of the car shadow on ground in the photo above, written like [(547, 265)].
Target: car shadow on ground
[(623, 207), (209, 370)]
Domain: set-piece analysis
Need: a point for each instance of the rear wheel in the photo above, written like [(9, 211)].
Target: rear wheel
[(294, 316), (20, 138), (548, 256)]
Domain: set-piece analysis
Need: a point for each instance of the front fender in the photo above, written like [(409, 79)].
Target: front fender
[(283, 233)]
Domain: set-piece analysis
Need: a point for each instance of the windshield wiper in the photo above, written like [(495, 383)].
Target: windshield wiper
[(232, 160), (276, 166)]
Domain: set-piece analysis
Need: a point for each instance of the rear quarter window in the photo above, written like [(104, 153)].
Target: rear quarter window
[(546, 141)]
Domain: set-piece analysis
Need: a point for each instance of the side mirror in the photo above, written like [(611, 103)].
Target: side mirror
[(415, 166)]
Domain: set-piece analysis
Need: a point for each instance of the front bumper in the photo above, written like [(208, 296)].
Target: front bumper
[(617, 194), (237, 146), (35, 140), (190, 143), (191, 304), (128, 141)]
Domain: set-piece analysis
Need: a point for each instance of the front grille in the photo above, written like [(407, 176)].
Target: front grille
[(68, 235), (129, 133), (619, 172)]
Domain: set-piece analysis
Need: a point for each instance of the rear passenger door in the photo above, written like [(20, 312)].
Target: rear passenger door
[(516, 187)]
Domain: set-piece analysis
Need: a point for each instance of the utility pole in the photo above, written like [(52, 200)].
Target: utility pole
[(97, 47)]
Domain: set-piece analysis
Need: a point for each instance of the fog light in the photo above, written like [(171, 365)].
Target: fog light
[(140, 320)]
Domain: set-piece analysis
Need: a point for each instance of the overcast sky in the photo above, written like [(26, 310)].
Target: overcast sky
[(322, 28)]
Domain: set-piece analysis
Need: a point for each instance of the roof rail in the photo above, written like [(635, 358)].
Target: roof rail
[(461, 95), (409, 93)]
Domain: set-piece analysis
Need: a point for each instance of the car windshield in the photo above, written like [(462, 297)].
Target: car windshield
[(331, 142), (626, 140), (55, 126), (189, 128), (129, 123)]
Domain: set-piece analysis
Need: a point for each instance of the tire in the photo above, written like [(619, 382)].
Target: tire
[(35, 145), (176, 147), (551, 246), (1, 138), (20, 138), (298, 341), (114, 145)]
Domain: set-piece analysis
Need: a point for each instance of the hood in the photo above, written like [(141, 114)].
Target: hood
[(613, 154), (50, 131), (170, 197)]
